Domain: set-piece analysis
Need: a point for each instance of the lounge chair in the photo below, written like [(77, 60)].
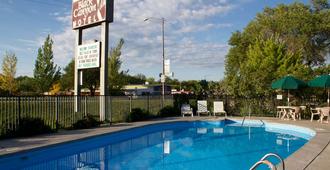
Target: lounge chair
[(322, 112), (218, 108), (186, 109), (202, 107), (325, 113), (314, 112)]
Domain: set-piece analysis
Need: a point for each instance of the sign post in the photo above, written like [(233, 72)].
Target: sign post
[(86, 14), (104, 92), (76, 72)]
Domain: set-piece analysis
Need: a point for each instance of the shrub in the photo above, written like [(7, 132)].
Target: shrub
[(169, 111), (32, 126), (87, 122), (138, 114)]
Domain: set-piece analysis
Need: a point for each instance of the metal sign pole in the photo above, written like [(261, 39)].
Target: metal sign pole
[(76, 71), (104, 70)]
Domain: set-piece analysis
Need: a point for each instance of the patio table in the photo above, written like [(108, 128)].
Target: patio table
[(288, 111)]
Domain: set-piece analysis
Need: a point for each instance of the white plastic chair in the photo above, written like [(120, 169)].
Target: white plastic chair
[(325, 113), (186, 109), (218, 108), (202, 107), (314, 111)]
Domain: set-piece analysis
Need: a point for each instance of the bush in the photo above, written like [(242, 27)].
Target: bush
[(138, 114), (88, 122), (169, 111), (32, 126)]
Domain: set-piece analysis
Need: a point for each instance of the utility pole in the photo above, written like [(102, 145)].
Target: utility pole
[(163, 76)]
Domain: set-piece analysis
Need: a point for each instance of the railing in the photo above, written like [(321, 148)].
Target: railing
[(59, 111), (264, 106), (270, 165)]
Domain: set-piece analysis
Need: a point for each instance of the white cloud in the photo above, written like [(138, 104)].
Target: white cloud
[(184, 18)]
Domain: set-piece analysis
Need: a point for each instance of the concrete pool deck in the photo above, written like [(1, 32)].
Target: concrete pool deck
[(314, 155)]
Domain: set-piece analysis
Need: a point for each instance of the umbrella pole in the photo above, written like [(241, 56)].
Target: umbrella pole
[(328, 98), (288, 97)]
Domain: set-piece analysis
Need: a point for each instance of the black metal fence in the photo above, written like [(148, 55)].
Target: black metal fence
[(59, 111), (264, 106)]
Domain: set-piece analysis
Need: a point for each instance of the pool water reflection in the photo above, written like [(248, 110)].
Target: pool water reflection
[(181, 145)]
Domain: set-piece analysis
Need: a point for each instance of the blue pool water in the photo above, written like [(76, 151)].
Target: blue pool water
[(181, 145)]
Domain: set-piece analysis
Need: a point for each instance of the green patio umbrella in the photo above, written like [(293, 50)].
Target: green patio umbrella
[(288, 83), (322, 81)]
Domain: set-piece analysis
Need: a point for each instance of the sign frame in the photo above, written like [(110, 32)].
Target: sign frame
[(87, 12), (98, 63)]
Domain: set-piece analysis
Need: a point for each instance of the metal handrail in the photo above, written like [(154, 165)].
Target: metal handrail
[(245, 115), (243, 121), (269, 164), (264, 161)]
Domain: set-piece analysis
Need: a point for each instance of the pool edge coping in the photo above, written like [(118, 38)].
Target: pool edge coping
[(301, 159)]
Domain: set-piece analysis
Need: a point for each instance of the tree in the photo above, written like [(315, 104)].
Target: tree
[(46, 73), (26, 85), (55, 89), (116, 77), (266, 60), (288, 39), (320, 5), (91, 79), (7, 78), (67, 79)]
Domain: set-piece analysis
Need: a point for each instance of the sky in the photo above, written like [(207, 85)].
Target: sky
[(196, 33)]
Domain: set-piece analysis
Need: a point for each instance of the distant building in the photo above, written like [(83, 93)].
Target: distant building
[(138, 89), (175, 91)]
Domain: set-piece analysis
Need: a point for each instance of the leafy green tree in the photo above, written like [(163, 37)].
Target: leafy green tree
[(116, 77), (267, 59), (67, 79), (192, 85), (46, 73), (137, 79), (320, 5), (91, 79), (288, 39), (26, 85), (7, 78), (151, 80)]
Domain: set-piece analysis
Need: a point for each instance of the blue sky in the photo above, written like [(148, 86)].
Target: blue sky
[(197, 32)]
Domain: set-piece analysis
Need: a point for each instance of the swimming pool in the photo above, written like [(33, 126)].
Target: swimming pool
[(178, 145)]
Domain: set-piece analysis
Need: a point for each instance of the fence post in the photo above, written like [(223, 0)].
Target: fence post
[(85, 106), (110, 108), (56, 113), (19, 110), (130, 103), (148, 103)]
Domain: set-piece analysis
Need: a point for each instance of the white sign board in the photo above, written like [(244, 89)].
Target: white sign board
[(167, 67), (162, 79), (279, 97), (88, 56)]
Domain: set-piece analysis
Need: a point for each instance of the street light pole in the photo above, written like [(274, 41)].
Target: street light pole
[(163, 81), (163, 76)]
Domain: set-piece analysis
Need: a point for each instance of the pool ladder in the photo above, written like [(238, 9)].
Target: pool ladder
[(270, 165)]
